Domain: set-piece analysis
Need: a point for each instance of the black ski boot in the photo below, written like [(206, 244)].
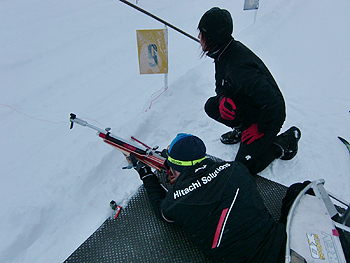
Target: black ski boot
[(231, 137), (288, 142)]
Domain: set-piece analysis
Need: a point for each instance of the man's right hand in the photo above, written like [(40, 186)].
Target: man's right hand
[(227, 108)]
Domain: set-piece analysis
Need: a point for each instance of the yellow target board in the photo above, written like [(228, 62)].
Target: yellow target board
[(152, 50)]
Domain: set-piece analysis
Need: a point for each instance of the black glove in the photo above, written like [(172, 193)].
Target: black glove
[(143, 169)]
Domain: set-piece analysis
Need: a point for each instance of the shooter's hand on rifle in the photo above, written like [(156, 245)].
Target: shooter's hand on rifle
[(143, 169)]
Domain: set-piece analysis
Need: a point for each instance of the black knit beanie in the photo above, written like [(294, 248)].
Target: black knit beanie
[(217, 25), (184, 151)]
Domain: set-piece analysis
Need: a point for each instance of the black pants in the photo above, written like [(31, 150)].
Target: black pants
[(255, 156)]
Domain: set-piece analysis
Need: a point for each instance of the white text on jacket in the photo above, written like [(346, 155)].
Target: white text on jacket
[(197, 184)]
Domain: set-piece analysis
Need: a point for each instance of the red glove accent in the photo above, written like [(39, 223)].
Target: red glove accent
[(251, 134), (227, 108)]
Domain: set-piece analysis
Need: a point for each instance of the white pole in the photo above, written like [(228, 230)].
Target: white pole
[(256, 12)]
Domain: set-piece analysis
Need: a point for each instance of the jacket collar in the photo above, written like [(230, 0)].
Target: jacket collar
[(193, 171), (216, 55)]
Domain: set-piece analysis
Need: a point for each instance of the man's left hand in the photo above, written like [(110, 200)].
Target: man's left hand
[(143, 169)]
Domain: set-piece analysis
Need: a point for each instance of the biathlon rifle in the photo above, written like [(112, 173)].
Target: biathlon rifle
[(147, 155)]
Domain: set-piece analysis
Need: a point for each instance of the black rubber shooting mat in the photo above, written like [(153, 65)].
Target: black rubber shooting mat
[(138, 236)]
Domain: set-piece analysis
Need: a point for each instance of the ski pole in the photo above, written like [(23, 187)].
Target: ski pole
[(159, 19)]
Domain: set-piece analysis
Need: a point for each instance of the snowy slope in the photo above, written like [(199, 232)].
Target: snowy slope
[(58, 57)]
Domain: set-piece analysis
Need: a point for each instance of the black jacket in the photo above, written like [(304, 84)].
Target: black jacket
[(218, 207), (243, 77)]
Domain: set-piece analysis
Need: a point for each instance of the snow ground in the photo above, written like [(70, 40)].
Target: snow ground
[(58, 57)]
